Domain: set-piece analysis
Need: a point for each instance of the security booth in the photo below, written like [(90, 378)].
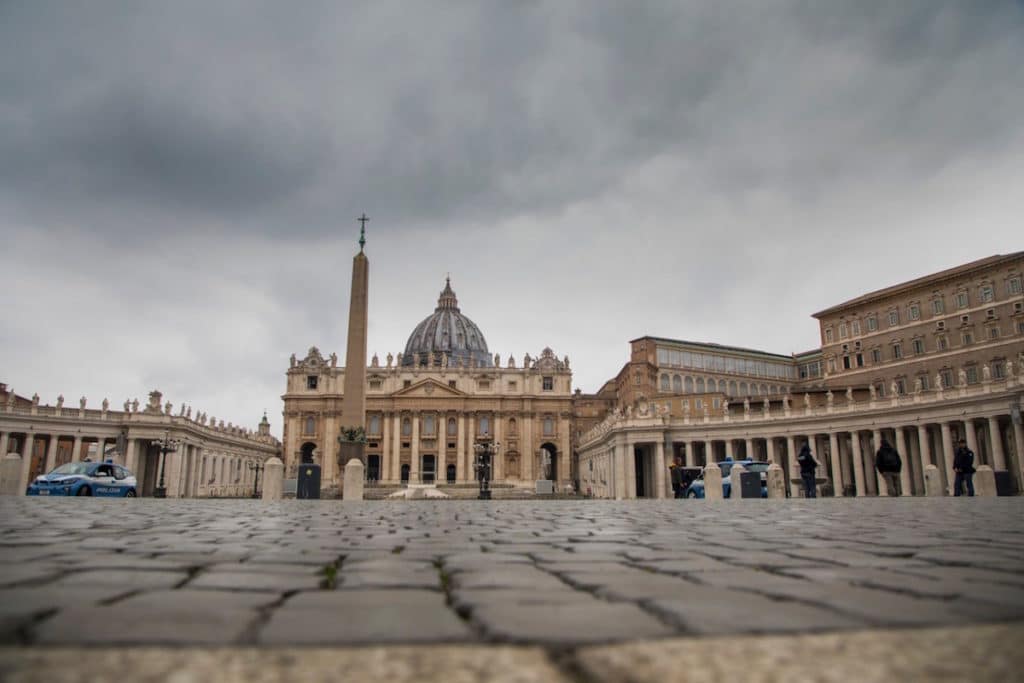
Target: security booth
[(308, 484)]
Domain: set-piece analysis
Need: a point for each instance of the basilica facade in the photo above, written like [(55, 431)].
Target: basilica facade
[(428, 405)]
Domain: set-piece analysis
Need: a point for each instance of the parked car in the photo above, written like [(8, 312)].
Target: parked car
[(86, 479), (696, 488)]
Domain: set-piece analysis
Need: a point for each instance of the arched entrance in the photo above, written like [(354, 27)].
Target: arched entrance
[(548, 470), (307, 452), (450, 474), (405, 474)]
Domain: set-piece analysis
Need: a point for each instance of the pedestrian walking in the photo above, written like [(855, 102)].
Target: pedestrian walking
[(807, 466), (676, 472), (963, 466), (889, 464)]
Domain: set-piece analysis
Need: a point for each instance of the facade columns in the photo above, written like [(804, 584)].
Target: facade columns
[(837, 466), (26, 461), (131, 458), (4, 440), (791, 460), (749, 444), (998, 457), (414, 450), (901, 446), (460, 451), (396, 447), (619, 458), (441, 475), (630, 470), (499, 462), (858, 463), (76, 450), (879, 483), (971, 434), (659, 469), (770, 448), (1018, 445), (729, 453), (51, 453), (527, 448), (691, 459), (385, 448), (947, 447)]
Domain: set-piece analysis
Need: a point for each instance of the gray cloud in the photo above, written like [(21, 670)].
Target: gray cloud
[(178, 181)]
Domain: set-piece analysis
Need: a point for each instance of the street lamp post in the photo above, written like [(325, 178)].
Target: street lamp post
[(485, 452), (256, 467), (166, 446)]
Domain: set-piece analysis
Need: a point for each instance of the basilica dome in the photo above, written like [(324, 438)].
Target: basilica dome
[(449, 333)]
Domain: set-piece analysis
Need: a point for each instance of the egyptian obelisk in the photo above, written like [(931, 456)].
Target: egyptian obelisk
[(353, 402)]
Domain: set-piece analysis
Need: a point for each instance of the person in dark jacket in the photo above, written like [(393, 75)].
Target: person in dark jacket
[(676, 473), (889, 464), (963, 466), (807, 466)]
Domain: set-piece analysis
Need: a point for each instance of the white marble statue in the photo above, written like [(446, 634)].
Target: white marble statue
[(81, 403), (105, 405), (60, 401)]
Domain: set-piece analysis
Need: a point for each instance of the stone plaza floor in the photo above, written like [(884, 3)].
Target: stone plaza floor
[(570, 582)]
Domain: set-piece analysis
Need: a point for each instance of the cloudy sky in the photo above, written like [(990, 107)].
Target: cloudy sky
[(179, 181)]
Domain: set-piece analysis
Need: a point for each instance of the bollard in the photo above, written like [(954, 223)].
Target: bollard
[(776, 482), (735, 485), (985, 482), (353, 485), (713, 482), (933, 482), (10, 475), (273, 479)]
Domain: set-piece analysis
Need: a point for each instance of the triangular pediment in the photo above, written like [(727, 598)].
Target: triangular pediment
[(429, 388)]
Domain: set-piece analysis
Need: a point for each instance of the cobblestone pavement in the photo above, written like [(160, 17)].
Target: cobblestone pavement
[(556, 573)]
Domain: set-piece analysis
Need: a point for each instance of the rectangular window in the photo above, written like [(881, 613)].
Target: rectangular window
[(876, 356), (961, 300), (716, 403), (512, 386), (894, 318), (993, 333), (828, 335), (406, 383), (311, 382), (663, 356), (947, 378), (967, 338), (375, 384), (924, 382), (897, 352), (918, 346), (915, 312), (901, 387), (987, 293), (483, 384), (872, 323), (998, 370), (842, 330), (855, 328), (937, 307), (860, 360), (451, 383), (941, 343), (972, 375), (548, 383), (1020, 327), (846, 362), (1013, 286)]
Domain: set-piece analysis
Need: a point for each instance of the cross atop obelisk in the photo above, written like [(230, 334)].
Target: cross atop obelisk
[(362, 231)]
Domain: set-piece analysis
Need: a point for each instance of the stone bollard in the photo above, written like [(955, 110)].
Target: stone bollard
[(273, 479), (776, 482), (985, 482), (735, 486), (353, 486), (713, 482), (933, 482), (10, 475)]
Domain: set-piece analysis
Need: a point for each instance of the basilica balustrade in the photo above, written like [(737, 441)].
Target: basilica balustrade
[(844, 434), (211, 458)]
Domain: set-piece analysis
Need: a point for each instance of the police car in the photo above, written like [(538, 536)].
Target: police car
[(85, 479)]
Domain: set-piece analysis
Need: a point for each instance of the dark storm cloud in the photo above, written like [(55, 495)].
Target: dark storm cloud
[(192, 167)]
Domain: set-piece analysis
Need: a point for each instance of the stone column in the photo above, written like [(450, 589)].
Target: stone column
[(837, 465), (630, 459), (618, 454), (858, 463), (101, 445), (972, 440), (947, 447), (729, 453), (51, 453), (273, 479), (396, 447), (414, 450), (1018, 447), (793, 469), (998, 457), (880, 487), (922, 456), (26, 461), (460, 451), (76, 450), (197, 471), (690, 459), (442, 449), (385, 449), (499, 461), (131, 457), (4, 440), (901, 446), (527, 448), (749, 443), (659, 469), (769, 443)]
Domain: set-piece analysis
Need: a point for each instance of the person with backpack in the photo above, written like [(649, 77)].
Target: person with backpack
[(889, 464), (963, 466), (807, 466)]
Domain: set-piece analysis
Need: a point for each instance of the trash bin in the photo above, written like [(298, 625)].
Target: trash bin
[(308, 485), (750, 485)]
